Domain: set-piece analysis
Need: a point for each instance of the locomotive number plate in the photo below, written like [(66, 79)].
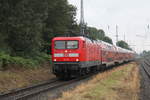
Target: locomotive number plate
[(66, 55)]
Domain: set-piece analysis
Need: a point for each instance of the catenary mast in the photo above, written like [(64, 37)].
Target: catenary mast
[(117, 34), (82, 25)]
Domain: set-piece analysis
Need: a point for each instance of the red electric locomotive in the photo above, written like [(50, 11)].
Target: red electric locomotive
[(73, 56)]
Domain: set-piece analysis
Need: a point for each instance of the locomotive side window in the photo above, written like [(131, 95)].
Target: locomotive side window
[(72, 44), (60, 45)]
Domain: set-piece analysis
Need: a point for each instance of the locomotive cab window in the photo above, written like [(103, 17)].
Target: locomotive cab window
[(72, 44), (66, 44), (60, 44)]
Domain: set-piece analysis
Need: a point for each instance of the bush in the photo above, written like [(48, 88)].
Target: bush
[(27, 63), (42, 57), (6, 59), (0, 64)]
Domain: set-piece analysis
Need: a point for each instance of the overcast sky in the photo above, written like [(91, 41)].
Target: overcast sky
[(131, 16)]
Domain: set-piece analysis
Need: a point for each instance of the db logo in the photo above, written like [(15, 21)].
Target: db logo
[(66, 55)]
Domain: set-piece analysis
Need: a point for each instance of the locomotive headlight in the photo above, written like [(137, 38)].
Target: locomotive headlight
[(73, 54), (58, 55), (77, 59)]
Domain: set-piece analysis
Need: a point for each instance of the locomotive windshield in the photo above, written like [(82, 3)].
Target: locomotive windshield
[(72, 44), (60, 44), (66, 44)]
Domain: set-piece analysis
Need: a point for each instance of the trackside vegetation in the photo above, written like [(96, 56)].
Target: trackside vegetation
[(121, 83), (6, 60)]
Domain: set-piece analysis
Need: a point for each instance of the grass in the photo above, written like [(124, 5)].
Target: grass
[(22, 77), (16, 72), (121, 83)]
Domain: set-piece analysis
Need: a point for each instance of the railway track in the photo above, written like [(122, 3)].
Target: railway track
[(145, 79), (146, 67), (18, 94), (23, 93), (146, 71)]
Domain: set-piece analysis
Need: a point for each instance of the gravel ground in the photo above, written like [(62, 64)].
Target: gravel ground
[(145, 82)]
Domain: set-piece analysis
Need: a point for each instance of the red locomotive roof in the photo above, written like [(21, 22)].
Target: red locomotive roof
[(69, 38)]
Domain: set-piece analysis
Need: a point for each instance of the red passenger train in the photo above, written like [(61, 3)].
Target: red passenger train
[(73, 56)]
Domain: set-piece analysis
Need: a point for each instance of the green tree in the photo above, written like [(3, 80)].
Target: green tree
[(95, 33), (98, 34), (145, 53), (60, 21), (108, 40), (123, 44), (6, 10), (26, 24)]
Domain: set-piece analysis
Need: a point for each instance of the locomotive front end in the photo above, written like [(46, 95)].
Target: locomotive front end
[(66, 56)]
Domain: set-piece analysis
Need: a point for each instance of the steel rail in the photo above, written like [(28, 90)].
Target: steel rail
[(145, 66), (23, 93)]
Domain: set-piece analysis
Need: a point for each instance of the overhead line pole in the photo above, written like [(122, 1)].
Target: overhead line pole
[(116, 33), (82, 25), (124, 37), (148, 27)]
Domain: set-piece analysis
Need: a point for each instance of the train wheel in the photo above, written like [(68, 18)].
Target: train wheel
[(87, 70), (104, 67), (84, 71)]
